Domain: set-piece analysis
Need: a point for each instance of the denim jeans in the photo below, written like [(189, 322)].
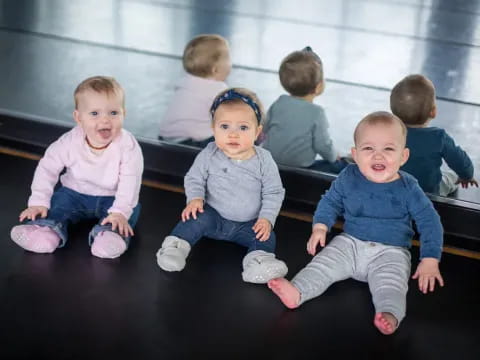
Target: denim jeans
[(210, 224), (69, 207)]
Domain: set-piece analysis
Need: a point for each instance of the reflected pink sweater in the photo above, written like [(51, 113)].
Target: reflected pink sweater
[(117, 171)]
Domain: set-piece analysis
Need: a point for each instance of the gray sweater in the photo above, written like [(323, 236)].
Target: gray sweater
[(238, 190), (296, 131)]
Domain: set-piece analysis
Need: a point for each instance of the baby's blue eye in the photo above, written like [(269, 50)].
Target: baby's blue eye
[(224, 126), (367, 148), (94, 113), (390, 149), (244, 127), (114, 112)]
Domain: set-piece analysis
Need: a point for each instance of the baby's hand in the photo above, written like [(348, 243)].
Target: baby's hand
[(263, 229), (192, 208), (427, 272), (31, 213), (319, 234), (464, 183), (118, 221)]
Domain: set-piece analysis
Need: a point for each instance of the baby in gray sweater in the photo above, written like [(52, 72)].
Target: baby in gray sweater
[(296, 129), (234, 192)]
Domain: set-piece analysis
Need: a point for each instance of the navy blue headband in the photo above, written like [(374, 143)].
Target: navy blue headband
[(309, 50), (231, 95)]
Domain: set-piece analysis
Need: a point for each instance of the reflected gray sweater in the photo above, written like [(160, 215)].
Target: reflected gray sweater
[(296, 131), (238, 190)]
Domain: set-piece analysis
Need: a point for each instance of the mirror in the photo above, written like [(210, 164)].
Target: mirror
[(50, 52)]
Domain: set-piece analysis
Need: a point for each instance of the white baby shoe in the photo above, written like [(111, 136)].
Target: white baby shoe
[(173, 253), (259, 267)]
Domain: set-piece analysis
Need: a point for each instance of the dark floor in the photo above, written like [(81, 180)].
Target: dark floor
[(47, 47), (71, 305)]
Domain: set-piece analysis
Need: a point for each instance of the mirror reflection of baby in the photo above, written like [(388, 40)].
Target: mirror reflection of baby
[(378, 203), (234, 192), (206, 60), (104, 166), (413, 101), (296, 129)]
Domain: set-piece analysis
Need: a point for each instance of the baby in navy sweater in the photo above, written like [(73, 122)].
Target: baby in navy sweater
[(378, 203)]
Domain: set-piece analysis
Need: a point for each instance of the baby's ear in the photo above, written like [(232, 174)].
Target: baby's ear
[(405, 155), (259, 131), (76, 116), (433, 112)]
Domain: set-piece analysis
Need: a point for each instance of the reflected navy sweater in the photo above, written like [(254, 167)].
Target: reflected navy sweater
[(428, 146), (382, 212)]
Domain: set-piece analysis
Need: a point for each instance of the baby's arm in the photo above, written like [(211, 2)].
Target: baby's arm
[(46, 177), (464, 183), (262, 229), (31, 213), (322, 142), (319, 234), (194, 206), (459, 161), (195, 183), (128, 188), (271, 199), (427, 272), (431, 239)]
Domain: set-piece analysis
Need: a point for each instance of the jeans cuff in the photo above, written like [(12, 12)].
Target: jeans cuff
[(99, 228), (57, 227)]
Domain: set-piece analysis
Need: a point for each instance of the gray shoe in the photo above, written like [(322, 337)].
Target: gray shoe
[(259, 267), (173, 254)]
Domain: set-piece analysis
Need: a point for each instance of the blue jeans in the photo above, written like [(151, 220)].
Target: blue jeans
[(69, 207), (210, 224)]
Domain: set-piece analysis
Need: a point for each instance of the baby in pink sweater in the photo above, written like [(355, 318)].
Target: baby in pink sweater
[(103, 170)]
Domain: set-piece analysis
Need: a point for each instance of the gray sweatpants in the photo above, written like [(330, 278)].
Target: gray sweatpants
[(386, 269)]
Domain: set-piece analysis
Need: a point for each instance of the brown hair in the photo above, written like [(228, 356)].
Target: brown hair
[(100, 84), (202, 53), (301, 72), (413, 99), (244, 92), (380, 117)]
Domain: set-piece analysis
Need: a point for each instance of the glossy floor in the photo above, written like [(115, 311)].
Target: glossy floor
[(47, 47), (71, 305)]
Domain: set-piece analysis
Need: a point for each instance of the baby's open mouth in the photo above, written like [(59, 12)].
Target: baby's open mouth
[(105, 133), (378, 167)]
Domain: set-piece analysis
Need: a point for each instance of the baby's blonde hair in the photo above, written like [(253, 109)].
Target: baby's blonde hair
[(100, 84), (202, 53), (380, 117)]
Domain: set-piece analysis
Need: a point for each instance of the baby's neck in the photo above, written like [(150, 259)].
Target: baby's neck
[(309, 98)]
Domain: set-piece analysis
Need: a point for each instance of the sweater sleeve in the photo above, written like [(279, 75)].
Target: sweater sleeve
[(330, 207), (322, 143), (273, 192), (457, 159), (195, 180), (427, 221), (130, 180), (48, 170)]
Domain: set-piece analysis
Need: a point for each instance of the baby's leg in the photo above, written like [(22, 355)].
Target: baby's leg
[(448, 184), (334, 263), (260, 264), (107, 243), (45, 235), (176, 247), (388, 277), (35, 238), (288, 294)]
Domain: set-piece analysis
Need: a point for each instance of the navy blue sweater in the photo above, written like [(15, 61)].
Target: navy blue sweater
[(382, 212), (428, 146)]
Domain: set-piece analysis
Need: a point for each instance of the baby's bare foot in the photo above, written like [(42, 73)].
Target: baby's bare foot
[(385, 322), (288, 294)]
